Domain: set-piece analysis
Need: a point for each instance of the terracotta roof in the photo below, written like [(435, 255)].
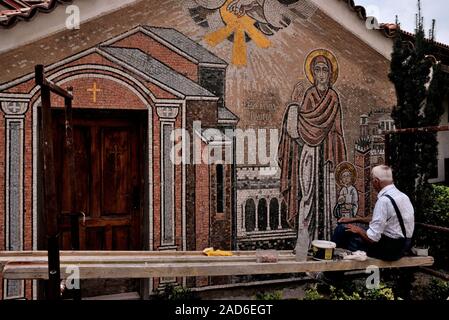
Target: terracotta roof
[(12, 11)]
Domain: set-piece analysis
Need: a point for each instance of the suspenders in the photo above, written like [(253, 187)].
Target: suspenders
[(399, 215)]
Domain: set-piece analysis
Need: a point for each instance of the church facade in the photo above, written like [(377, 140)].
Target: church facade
[(215, 123), (130, 95)]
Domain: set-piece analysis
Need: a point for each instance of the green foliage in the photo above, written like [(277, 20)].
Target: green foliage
[(313, 294), (436, 213), (420, 88), (383, 293), (437, 290), (175, 292), (340, 294), (277, 295)]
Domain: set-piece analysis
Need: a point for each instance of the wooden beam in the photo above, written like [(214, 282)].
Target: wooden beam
[(432, 227), (20, 271), (125, 253), (438, 274), (41, 80), (130, 257), (417, 130)]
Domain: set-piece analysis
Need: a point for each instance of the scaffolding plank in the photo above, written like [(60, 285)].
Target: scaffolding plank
[(38, 270)]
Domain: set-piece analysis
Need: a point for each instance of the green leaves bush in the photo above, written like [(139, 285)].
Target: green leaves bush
[(277, 295), (437, 290), (176, 292), (383, 293), (436, 213)]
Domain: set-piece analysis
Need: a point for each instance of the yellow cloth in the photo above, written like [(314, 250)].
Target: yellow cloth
[(216, 253)]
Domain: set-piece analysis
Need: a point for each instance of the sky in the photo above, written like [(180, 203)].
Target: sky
[(386, 10)]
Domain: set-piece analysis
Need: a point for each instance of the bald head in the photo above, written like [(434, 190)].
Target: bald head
[(382, 177)]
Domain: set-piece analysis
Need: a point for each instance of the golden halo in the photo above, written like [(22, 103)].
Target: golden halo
[(343, 167), (327, 54)]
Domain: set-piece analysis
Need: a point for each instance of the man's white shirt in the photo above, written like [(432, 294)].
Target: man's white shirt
[(385, 221)]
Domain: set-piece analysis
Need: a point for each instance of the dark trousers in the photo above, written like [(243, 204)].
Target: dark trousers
[(387, 249)]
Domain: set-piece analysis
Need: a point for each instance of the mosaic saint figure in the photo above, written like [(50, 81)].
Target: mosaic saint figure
[(311, 147), (348, 198)]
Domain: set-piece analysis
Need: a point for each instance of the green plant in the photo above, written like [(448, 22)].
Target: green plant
[(437, 290), (277, 295), (340, 294), (437, 213), (313, 294), (176, 292), (420, 90), (381, 294)]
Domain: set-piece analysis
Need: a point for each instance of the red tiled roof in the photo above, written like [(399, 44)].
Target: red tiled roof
[(388, 29), (24, 10)]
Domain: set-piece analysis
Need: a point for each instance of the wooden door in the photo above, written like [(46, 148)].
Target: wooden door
[(109, 148)]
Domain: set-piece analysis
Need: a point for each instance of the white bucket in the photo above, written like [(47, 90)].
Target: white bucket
[(323, 250)]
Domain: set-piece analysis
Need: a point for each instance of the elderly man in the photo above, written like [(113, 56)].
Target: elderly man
[(391, 227)]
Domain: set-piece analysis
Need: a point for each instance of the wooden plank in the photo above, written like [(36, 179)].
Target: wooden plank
[(126, 253), (129, 257), (19, 271), (136, 259)]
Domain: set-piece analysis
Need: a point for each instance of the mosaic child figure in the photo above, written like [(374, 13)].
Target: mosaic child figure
[(348, 200)]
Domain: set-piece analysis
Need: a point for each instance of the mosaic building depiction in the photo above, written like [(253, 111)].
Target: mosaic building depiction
[(276, 108)]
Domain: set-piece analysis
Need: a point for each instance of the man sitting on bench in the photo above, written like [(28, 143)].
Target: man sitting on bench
[(387, 234)]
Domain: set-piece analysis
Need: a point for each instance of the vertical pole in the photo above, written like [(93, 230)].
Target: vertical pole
[(72, 188), (50, 204), (73, 191)]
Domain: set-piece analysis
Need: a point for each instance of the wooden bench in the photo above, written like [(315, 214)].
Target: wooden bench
[(147, 264)]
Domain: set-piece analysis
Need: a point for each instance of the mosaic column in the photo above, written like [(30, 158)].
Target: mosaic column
[(167, 117), (14, 113)]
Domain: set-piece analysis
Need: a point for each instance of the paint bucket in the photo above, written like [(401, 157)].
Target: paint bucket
[(323, 250)]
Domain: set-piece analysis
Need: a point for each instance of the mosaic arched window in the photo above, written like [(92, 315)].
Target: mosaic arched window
[(274, 214), (284, 216), (262, 212), (250, 215)]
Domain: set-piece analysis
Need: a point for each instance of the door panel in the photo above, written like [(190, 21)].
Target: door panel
[(109, 147), (118, 168)]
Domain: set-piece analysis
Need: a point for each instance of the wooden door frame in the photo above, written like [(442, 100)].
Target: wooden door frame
[(146, 171)]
